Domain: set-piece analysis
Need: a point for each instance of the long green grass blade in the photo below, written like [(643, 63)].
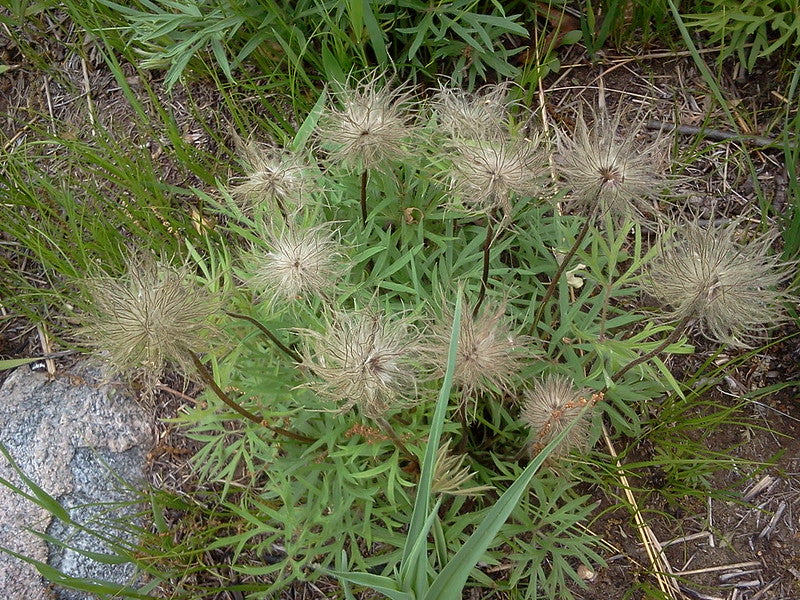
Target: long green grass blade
[(78, 583), (43, 499), (307, 128), (13, 363), (449, 583), (419, 561), (379, 583)]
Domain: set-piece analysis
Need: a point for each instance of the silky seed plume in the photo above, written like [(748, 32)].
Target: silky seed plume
[(731, 289), (365, 359)]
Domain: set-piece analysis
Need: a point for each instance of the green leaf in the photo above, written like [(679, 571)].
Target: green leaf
[(416, 528), (375, 34), (449, 583), (309, 124), (78, 583), (43, 499), (379, 583), (13, 363)]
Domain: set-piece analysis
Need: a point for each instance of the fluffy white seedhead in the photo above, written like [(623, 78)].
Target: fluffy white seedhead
[(553, 405), (608, 170), (487, 175), (483, 115), (368, 126), (365, 359), (489, 356), (276, 179), (154, 313), (730, 288), (300, 262)]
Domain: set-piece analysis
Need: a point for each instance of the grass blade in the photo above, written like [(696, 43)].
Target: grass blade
[(449, 583), (419, 560)]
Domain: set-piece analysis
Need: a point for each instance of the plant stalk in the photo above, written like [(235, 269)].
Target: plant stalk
[(364, 176), (272, 337), (208, 378), (487, 246), (559, 272), (389, 431), (671, 338)]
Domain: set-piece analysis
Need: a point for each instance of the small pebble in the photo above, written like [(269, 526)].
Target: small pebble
[(586, 573)]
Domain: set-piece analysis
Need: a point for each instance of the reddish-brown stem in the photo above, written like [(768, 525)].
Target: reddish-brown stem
[(364, 176), (671, 338), (272, 337), (487, 245), (208, 378), (559, 272), (392, 434)]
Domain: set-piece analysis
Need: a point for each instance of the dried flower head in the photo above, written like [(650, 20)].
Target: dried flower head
[(365, 359), (154, 313), (300, 262), (489, 356), (728, 287), (371, 126), (486, 175), (609, 171), (483, 115), (275, 177), (450, 474), (553, 405)]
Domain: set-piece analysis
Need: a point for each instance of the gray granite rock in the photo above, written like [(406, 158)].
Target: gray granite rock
[(79, 440)]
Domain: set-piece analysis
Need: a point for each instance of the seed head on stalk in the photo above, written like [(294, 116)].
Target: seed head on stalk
[(300, 262), (608, 170), (731, 289), (553, 405), (276, 178), (369, 126), (365, 359), (153, 314)]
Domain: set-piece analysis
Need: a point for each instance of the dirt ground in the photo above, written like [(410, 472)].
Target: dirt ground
[(733, 550)]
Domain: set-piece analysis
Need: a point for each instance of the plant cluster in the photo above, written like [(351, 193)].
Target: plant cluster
[(749, 30), (403, 273)]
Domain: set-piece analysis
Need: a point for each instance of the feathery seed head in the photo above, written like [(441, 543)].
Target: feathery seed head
[(275, 177), (300, 262), (610, 171), (365, 359), (486, 175), (476, 116), (728, 287), (450, 474), (552, 406), (488, 357), (371, 126), (150, 315)]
